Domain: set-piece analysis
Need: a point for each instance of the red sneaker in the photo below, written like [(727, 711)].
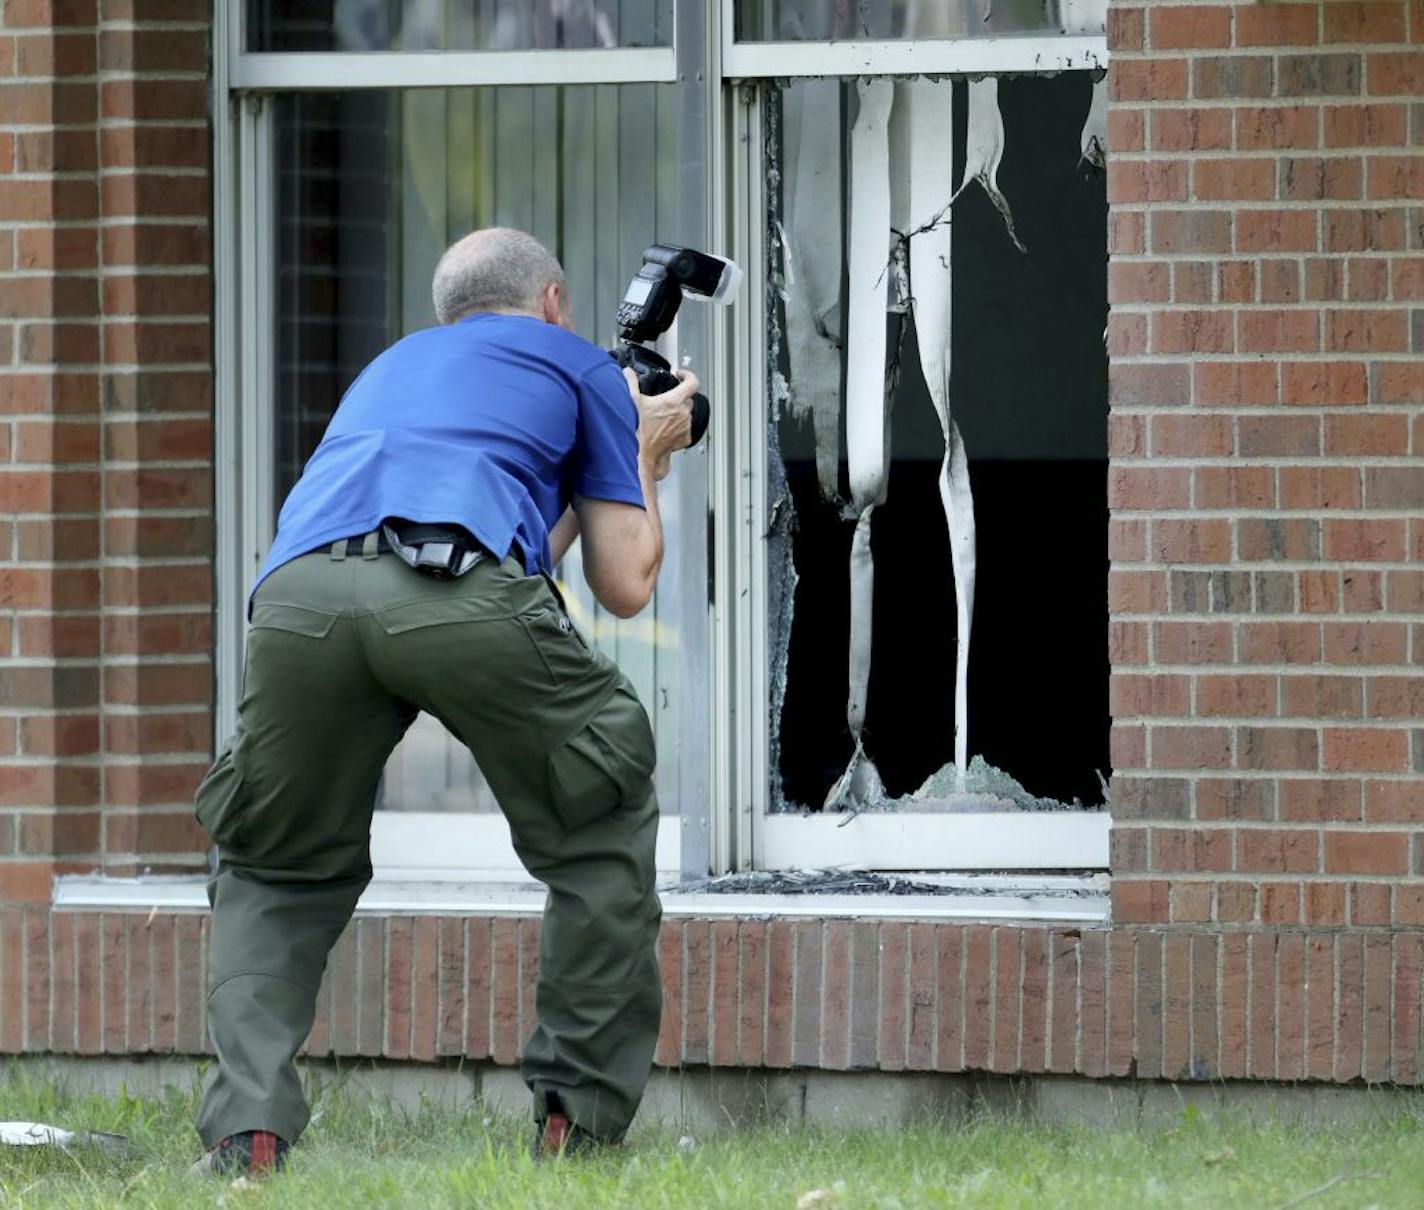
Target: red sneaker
[(247, 1153)]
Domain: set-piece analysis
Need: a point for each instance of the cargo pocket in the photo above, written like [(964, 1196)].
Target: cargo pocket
[(220, 800), (605, 765)]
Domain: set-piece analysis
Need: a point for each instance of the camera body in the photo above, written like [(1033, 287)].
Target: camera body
[(649, 308)]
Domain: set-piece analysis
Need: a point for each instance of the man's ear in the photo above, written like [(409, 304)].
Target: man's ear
[(551, 304)]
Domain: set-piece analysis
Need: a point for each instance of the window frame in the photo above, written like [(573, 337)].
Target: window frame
[(761, 840), (722, 824)]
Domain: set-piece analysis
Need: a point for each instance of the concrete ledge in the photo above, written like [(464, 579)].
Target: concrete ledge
[(704, 1100)]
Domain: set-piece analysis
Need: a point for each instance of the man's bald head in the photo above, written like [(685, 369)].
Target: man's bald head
[(494, 269)]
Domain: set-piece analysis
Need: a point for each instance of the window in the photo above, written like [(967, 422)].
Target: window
[(350, 162)]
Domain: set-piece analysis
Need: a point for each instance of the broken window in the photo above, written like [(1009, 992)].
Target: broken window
[(938, 517)]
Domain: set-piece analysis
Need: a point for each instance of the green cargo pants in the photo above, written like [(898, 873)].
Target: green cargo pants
[(342, 653)]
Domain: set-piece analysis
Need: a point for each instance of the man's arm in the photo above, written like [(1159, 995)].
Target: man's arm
[(563, 535), (622, 543)]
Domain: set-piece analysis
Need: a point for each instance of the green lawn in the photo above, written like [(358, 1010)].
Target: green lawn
[(371, 1154)]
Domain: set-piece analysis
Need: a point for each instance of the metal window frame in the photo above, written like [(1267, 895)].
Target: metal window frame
[(758, 839)]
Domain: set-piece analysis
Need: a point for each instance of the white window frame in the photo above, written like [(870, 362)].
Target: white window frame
[(734, 831), (760, 839), (406, 846)]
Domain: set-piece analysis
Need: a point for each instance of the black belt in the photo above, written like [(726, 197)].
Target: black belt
[(354, 545)]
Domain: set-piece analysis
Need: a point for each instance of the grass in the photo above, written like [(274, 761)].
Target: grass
[(362, 1153)]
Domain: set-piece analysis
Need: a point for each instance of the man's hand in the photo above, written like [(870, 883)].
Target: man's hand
[(664, 421)]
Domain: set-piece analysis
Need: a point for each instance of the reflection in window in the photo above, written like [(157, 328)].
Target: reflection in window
[(853, 20), (939, 521), (418, 25), (372, 187)]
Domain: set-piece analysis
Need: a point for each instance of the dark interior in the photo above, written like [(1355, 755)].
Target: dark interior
[(1029, 391)]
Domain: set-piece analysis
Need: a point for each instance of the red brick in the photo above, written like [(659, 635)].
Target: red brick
[(1147, 79), (1189, 27), (1149, 1004), (1233, 180), (1127, 232), (1366, 434), (1235, 696), (1236, 76), (1233, 487), (1160, 385), (1365, 750), (1276, 231), (1280, 280), (1320, 1007), (1361, 230), (1277, 851), (1207, 331), (1176, 1005), (1369, 279), (1404, 1066), (1191, 748), (1137, 282), (978, 997), (1365, 125), (1277, 128), (1324, 903), (1127, 334), (1361, 331), (1279, 643), (1234, 383), (1396, 697), (1191, 902), (1125, 28), (1282, 331), (1364, 540), (836, 996), (1398, 382), (1188, 231), (1146, 181), (1363, 643), (1395, 73), (1392, 177), (1408, 279), (923, 981), (1191, 130), (1064, 951), (1280, 902), (1229, 1032), (1267, 436), (1364, 22), (1324, 383), (951, 997), (1369, 904), (1126, 131), (1236, 282), (1263, 539), (1277, 25), (1008, 992), (1235, 799)]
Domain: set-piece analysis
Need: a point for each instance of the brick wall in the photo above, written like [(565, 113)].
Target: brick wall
[(1267, 596), (833, 994), (1267, 588), (105, 437)]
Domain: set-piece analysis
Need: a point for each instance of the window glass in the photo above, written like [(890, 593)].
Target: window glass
[(950, 233), (416, 25), (372, 187), (853, 20)]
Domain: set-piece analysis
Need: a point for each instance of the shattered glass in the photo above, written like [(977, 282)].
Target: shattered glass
[(850, 20), (905, 365)]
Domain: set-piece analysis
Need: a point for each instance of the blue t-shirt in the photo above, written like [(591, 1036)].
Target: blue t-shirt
[(494, 422)]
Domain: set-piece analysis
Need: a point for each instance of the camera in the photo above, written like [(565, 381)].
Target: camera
[(649, 308)]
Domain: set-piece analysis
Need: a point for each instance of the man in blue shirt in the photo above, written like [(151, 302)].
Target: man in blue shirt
[(411, 572)]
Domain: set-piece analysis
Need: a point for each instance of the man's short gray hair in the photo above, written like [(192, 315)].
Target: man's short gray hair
[(495, 269)]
